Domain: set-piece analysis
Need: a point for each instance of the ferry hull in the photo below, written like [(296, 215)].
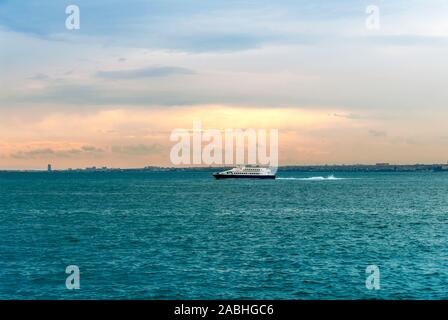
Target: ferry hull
[(242, 176)]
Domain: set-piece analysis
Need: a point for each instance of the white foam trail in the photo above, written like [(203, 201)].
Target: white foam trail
[(320, 178)]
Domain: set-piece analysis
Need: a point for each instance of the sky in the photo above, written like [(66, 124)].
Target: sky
[(111, 92)]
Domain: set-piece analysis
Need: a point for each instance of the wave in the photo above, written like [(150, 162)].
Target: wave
[(320, 178)]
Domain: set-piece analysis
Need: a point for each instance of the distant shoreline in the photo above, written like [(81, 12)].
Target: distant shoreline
[(303, 168)]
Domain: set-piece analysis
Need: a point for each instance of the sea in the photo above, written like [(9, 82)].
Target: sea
[(184, 235)]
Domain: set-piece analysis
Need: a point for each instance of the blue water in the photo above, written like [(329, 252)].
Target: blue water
[(183, 235)]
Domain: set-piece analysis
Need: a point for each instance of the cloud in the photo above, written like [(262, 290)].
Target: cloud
[(352, 116), (39, 76), (311, 55), (232, 25), (219, 26), (52, 153), (92, 149), (406, 40), (261, 55), (147, 72), (149, 24), (137, 150), (378, 133), (43, 153), (214, 42), (88, 95)]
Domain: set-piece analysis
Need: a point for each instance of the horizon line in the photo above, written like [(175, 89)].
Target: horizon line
[(105, 168)]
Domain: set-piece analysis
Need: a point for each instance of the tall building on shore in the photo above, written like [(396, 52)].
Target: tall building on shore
[(49, 169)]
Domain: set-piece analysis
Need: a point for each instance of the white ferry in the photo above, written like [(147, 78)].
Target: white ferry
[(243, 172)]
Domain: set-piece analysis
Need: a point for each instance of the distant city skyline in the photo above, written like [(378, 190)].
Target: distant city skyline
[(111, 92)]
